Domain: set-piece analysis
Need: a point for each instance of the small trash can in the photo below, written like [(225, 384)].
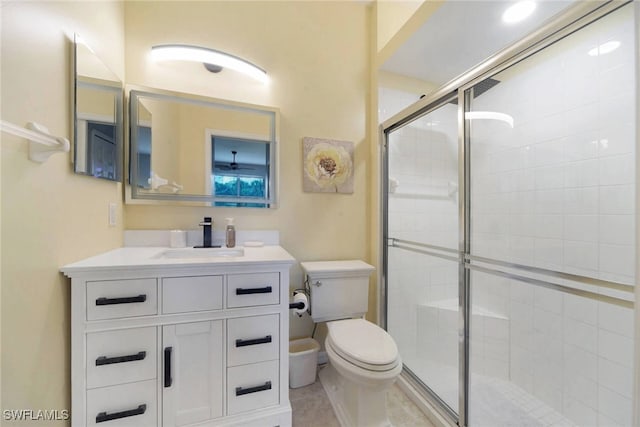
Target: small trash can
[(303, 362)]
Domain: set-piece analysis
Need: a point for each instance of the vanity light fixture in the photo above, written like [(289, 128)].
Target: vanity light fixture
[(213, 60), (604, 48), (518, 12)]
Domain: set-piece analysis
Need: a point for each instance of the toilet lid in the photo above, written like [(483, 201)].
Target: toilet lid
[(363, 343)]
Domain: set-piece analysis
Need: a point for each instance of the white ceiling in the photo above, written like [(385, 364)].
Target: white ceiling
[(460, 35)]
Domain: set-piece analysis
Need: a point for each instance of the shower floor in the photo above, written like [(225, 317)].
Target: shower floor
[(493, 402)]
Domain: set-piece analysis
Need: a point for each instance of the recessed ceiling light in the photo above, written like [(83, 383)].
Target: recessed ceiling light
[(518, 11), (604, 48)]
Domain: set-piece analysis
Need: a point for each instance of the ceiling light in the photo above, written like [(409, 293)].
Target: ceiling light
[(604, 48), (213, 60), (518, 11), (489, 115)]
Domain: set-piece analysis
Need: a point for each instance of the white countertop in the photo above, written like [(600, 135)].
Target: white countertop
[(129, 257)]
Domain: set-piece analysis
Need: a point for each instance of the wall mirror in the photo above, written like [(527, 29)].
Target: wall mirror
[(200, 151), (97, 116)]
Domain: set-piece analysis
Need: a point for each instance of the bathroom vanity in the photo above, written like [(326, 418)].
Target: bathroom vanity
[(165, 337)]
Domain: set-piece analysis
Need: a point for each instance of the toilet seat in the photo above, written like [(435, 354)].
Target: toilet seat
[(363, 344)]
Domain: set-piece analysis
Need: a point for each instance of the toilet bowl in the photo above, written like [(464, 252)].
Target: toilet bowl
[(363, 358), (363, 364)]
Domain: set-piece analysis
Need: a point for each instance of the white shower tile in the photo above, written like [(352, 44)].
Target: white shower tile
[(582, 255), (549, 201), (616, 348), (617, 199), (615, 377), (615, 406), (549, 177), (581, 146), (582, 415), (581, 228), (580, 388), (580, 362), (582, 309), (548, 152), (616, 319), (548, 253), (617, 170), (581, 335), (617, 259), (548, 300), (616, 139), (617, 229), (549, 226), (581, 201), (581, 173)]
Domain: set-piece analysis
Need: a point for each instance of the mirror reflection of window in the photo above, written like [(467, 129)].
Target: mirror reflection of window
[(239, 170)]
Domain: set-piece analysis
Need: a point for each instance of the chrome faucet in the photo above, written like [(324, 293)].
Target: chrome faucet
[(207, 228)]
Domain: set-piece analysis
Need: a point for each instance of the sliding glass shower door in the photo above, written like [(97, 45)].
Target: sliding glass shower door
[(422, 275), (509, 234)]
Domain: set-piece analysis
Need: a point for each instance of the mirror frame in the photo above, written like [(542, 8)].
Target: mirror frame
[(134, 196), (114, 87)]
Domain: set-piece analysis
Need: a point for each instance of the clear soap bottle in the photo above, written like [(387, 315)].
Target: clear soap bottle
[(230, 238)]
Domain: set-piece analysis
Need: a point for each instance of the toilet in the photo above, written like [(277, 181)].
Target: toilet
[(363, 358)]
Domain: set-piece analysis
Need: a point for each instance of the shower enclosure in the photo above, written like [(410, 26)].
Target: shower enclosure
[(509, 223)]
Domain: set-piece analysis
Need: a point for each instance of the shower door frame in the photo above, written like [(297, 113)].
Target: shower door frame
[(567, 22)]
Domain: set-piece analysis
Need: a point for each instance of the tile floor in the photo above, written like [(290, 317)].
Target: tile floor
[(311, 408)]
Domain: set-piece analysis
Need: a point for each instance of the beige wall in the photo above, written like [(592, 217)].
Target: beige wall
[(50, 216), (392, 15), (316, 54)]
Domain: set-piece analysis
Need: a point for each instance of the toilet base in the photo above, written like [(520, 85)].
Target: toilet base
[(353, 404)]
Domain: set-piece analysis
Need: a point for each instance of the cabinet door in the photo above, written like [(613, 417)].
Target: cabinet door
[(193, 372)]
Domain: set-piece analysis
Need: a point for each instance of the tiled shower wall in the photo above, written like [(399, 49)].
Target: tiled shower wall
[(557, 191)]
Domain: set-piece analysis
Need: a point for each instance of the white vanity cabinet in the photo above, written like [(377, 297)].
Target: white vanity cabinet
[(200, 342)]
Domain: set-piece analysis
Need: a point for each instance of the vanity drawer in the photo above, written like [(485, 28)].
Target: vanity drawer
[(246, 290), (128, 405), (122, 356), (252, 387), (252, 339), (110, 299), (198, 293)]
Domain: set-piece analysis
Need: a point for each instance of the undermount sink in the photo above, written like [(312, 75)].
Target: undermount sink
[(202, 253)]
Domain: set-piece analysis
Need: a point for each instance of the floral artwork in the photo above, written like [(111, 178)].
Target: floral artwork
[(328, 165)]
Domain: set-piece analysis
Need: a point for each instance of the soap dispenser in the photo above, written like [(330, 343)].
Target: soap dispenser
[(230, 239)]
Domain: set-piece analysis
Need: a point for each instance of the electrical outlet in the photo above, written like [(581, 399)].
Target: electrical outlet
[(112, 215)]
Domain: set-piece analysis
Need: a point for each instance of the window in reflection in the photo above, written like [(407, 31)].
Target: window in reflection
[(240, 171)]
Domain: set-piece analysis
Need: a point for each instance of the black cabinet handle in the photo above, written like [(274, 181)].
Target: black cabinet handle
[(125, 300), (248, 291), (242, 391), (103, 416), (167, 367), (104, 360), (244, 343)]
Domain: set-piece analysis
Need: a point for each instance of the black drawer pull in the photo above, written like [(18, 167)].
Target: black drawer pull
[(104, 360), (242, 391), (248, 291), (125, 300), (103, 416), (244, 343), (167, 367)]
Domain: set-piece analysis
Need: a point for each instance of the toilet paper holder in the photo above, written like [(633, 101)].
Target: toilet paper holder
[(300, 303)]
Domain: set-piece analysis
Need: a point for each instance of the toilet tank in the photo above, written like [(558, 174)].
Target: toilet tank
[(338, 289)]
